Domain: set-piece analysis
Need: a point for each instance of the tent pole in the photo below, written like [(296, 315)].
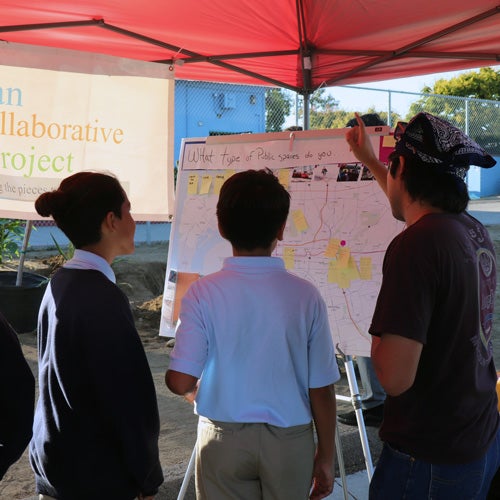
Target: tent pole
[(306, 110), (27, 232)]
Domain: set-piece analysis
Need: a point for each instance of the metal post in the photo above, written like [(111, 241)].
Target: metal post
[(306, 110), (27, 232), (467, 116), (389, 111)]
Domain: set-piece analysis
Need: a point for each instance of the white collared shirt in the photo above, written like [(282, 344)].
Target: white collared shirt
[(87, 260)]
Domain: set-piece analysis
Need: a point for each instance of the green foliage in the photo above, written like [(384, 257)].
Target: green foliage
[(329, 119), (66, 255), (11, 234), (337, 118), (483, 118), (278, 106), (484, 84), (320, 103)]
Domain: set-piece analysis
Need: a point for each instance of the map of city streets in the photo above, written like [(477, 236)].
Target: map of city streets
[(339, 227)]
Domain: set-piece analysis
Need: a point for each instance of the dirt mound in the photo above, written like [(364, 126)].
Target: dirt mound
[(141, 276)]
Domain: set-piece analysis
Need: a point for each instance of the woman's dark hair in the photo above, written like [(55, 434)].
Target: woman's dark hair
[(425, 182), (252, 208), (81, 203)]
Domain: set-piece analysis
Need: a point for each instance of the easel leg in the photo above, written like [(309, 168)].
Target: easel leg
[(340, 461), (187, 476), (356, 403)]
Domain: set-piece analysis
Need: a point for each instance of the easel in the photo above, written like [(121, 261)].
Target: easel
[(356, 403)]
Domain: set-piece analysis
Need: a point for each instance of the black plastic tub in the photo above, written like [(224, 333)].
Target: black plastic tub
[(20, 304)]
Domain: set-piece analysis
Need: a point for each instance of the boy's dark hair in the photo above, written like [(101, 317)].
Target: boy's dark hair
[(369, 119), (81, 203), (252, 208), (424, 182)]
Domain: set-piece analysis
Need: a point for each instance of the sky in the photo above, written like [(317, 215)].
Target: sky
[(360, 100)]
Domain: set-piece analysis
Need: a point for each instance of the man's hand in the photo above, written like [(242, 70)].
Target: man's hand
[(322, 484), (361, 146), (191, 396), (360, 143)]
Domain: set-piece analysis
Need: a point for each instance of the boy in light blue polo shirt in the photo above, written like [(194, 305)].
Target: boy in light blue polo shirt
[(254, 351)]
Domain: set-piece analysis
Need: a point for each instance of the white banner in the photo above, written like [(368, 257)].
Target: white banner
[(55, 120)]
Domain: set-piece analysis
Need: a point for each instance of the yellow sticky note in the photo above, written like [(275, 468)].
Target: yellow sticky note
[(343, 257), (193, 184), (206, 182), (219, 180), (388, 141), (299, 219), (333, 272), (352, 269), (284, 177), (344, 281), (289, 257), (365, 268), (228, 174), (332, 248)]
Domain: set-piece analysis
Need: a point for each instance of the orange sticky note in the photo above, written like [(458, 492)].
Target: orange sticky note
[(388, 141), (332, 248)]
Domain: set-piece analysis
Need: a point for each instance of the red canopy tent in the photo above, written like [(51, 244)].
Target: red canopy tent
[(295, 44)]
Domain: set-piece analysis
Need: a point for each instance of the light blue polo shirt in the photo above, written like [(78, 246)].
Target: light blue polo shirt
[(259, 338)]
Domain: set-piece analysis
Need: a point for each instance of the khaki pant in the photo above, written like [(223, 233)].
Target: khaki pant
[(253, 461)]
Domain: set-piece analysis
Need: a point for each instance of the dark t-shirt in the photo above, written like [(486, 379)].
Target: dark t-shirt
[(17, 398), (439, 289)]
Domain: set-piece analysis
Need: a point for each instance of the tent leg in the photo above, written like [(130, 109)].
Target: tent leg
[(27, 231)]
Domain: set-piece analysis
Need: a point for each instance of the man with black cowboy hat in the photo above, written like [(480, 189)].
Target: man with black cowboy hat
[(432, 324)]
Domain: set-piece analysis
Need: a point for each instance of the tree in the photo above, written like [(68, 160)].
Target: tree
[(278, 106), (323, 110), (326, 116), (467, 102), (484, 84)]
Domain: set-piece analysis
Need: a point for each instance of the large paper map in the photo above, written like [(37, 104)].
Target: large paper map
[(339, 227)]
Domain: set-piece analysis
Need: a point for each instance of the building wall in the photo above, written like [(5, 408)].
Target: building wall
[(483, 182), (206, 108)]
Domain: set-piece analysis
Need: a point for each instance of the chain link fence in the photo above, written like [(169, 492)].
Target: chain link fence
[(478, 118), (205, 108)]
